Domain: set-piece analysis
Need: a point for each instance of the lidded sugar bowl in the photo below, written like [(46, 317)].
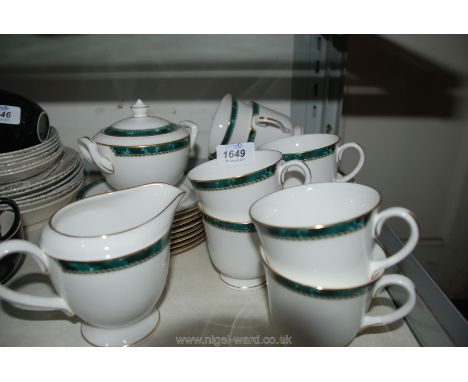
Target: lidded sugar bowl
[(141, 149)]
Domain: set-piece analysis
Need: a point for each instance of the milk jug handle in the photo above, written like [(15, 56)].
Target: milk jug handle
[(24, 300)]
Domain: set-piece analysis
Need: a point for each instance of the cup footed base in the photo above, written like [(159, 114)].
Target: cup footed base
[(240, 284), (124, 336)]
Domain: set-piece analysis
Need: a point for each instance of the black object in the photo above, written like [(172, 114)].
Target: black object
[(10, 264), (23, 123)]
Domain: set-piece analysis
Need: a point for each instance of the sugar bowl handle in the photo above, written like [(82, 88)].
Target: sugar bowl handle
[(89, 150), (24, 300), (193, 127)]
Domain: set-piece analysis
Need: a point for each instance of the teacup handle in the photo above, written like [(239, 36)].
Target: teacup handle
[(379, 220), (359, 165), (283, 169), (24, 300), (402, 311), (16, 211), (193, 127), (259, 121)]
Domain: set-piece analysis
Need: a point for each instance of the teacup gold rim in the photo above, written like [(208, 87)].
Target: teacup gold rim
[(318, 226), (301, 152), (51, 226), (221, 220), (318, 288), (238, 176)]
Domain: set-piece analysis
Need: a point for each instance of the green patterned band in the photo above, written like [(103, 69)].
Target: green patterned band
[(336, 294), (231, 123), (229, 226), (169, 128), (317, 233), (105, 266), (312, 154), (162, 148), (255, 108), (82, 191), (252, 134), (223, 184)]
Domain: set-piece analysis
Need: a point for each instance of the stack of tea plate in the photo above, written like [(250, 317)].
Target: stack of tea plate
[(187, 229), (41, 179)]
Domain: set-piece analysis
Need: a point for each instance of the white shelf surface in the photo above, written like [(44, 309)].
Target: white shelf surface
[(196, 305)]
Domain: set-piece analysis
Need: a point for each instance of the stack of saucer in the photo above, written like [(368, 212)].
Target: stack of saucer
[(187, 229), (40, 179)]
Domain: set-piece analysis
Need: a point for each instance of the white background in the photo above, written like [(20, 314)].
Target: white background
[(240, 17)]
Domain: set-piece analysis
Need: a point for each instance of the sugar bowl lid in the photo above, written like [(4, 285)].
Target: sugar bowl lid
[(141, 128)]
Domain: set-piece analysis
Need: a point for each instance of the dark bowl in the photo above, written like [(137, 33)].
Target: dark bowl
[(23, 123)]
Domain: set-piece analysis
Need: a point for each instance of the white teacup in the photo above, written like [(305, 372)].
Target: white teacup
[(231, 122), (108, 258), (230, 190), (320, 152), (324, 233), (236, 121), (233, 249), (317, 316)]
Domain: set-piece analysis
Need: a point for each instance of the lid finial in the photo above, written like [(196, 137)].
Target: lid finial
[(140, 110)]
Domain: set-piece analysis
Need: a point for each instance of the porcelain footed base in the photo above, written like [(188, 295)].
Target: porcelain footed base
[(125, 336), (240, 284)]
